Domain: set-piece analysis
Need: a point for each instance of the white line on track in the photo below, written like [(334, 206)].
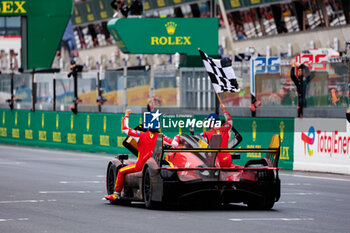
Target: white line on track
[(18, 219), (67, 192), (270, 219), (50, 192), (87, 155), (11, 163), (26, 201), (296, 184), (82, 182), (318, 177), (286, 202), (301, 194)]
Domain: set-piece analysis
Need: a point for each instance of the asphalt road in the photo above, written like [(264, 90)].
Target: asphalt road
[(55, 191)]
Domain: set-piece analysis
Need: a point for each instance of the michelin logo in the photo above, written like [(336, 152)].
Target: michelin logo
[(151, 120)]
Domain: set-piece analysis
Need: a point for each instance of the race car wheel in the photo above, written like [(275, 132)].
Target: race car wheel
[(147, 190), (263, 176), (111, 178)]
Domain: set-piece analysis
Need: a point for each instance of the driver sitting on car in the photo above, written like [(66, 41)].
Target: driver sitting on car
[(145, 142), (224, 158)]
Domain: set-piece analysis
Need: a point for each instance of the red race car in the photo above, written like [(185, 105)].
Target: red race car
[(190, 173)]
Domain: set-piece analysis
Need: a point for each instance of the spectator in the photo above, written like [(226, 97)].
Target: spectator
[(335, 98), (283, 28), (153, 102), (255, 104), (68, 40), (240, 35), (121, 8), (300, 75), (3, 60), (136, 8), (13, 60), (240, 32)]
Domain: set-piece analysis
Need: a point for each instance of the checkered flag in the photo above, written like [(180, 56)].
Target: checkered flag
[(221, 73)]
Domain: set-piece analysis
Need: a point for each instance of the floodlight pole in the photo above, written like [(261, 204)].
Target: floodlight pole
[(99, 91), (75, 78), (12, 97), (227, 25), (125, 75), (213, 14), (33, 91), (54, 93)]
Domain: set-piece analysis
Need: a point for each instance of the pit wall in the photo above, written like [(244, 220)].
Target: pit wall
[(101, 132)]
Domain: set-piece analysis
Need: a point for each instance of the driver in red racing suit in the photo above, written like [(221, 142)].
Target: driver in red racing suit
[(224, 158), (145, 142)]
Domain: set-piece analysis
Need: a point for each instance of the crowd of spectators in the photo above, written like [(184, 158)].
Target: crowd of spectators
[(246, 23), (8, 61)]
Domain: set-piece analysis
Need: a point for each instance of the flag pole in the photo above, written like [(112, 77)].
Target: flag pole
[(219, 98)]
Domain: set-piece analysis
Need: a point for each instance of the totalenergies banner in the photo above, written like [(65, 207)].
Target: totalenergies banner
[(165, 35), (322, 145)]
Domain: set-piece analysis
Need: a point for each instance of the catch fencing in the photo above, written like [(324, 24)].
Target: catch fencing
[(184, 88)]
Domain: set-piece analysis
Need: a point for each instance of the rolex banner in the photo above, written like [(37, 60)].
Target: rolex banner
[(165, 35)]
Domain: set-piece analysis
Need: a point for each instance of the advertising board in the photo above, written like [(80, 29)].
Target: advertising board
[(322, 145), (165, 35)]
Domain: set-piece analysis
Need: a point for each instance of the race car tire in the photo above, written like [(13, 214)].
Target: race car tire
[(269, 201), (111, 178), (112, 172), (262, 175), (147, 190)]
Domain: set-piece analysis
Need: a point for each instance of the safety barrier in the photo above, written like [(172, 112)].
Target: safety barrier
[(322, 145), (65, 130), (101, 132)]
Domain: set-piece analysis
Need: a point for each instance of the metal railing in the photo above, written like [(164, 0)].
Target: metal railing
[(184, 88)]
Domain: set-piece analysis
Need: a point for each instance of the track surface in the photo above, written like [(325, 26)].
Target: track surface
[(56, 191)]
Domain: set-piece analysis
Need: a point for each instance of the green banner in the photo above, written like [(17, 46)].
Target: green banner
[(165, 35), (65, 130), (101, 132), (256, 133), (46, 22)]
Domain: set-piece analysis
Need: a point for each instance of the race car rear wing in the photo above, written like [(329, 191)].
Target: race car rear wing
[(272, 153)]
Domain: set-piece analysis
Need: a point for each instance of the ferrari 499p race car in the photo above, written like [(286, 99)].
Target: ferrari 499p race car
[(189, 174)]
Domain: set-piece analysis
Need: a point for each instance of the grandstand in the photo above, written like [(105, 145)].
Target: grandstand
[(282, 27)]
